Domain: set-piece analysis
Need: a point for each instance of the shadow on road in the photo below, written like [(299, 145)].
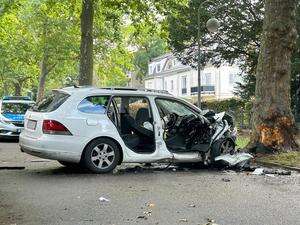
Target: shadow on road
[(122, 170), (9, 140)]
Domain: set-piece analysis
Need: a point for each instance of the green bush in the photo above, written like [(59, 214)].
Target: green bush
[(240, 109)]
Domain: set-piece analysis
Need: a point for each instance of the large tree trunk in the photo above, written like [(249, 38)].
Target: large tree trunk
[(273, 122), (18, 88), (42, 80), (86, 46)]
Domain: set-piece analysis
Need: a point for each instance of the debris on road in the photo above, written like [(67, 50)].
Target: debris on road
[(210, 222), (265, 171), (150, 204), (102, 199), (192, 205), (277, 171), (226, 179), (237, 160), (258, 171), (183, 220), (148, 213), (142, 217)]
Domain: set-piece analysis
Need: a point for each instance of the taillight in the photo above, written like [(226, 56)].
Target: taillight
[(54, 127)]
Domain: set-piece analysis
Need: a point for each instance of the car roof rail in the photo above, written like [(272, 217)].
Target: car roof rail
[(136, 89)]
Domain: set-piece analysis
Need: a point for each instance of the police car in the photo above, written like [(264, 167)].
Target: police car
[(12, 111)]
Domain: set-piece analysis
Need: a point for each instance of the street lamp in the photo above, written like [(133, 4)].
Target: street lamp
[(212, 26)]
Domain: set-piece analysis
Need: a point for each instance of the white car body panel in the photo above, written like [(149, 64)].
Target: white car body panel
[(85, 128)]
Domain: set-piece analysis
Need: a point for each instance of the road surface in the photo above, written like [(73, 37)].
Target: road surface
[(47, 193)]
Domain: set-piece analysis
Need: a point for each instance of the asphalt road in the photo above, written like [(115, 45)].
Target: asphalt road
[(47, 193)]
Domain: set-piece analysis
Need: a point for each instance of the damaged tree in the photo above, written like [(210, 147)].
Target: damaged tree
[(273, 122)]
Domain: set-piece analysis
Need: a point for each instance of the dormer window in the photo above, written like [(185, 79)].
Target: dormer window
[(170, 64), (158, 68)]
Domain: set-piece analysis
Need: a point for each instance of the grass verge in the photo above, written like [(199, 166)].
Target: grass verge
[(242, 141), (285, 158)]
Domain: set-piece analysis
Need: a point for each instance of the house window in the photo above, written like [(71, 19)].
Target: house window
[(169, 64), (172, 85), (206, 79), (231, 78), (158, 68), (183, 85), (150, 70)]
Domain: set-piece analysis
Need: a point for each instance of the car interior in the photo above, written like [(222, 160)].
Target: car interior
[(133, 119), (184, 129)]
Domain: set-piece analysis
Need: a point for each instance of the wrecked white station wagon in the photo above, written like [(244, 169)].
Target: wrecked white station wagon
[(101, 128)]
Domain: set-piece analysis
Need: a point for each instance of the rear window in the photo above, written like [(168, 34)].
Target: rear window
[(94, 104), (51, 102), (15, 108)]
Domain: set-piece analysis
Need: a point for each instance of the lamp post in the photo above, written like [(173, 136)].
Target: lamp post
[(212, 25)]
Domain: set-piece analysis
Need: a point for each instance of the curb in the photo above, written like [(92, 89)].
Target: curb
[(278, 165)]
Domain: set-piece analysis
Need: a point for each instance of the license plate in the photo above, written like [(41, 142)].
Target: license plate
[(31, 124)]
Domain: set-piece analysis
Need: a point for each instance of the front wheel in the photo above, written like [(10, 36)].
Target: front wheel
[(101, 155), (222, 147)]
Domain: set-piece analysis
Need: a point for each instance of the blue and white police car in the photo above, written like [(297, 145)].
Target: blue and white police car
[(12, 112)]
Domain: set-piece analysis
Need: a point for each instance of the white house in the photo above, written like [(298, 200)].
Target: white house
[(167, 73)]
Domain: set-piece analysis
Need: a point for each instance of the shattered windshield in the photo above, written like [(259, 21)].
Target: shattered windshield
[(170, 106), (15, 108)]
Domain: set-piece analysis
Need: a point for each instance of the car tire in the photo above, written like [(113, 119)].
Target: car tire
[(217, 149), (101, 155)]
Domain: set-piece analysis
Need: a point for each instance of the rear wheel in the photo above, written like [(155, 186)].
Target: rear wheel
[(101, 155)]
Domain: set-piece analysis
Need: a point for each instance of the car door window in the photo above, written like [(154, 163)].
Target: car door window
[(94, 104), (168, 106)]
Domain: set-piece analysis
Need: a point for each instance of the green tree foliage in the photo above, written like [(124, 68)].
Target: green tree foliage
[(238, 39), (150, 44), (40, 41)]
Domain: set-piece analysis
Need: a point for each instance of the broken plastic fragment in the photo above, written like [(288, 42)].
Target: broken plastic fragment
[(238, 159), (258, 171), (102, 199), (150, 204), (226, 179)]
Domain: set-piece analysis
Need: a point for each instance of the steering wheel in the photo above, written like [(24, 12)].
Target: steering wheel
[(171, 120)]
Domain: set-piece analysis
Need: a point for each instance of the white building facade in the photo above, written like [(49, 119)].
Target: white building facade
[(167, 73)]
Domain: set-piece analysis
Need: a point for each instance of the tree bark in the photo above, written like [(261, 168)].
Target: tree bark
[(18, 88), (42, 79), (86, 46), (273, 125)]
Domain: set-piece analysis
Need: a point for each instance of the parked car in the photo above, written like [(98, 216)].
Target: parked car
[(12, 111), (101, 128)]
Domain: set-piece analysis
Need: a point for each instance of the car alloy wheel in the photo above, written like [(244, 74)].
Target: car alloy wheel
[(103, 156)]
